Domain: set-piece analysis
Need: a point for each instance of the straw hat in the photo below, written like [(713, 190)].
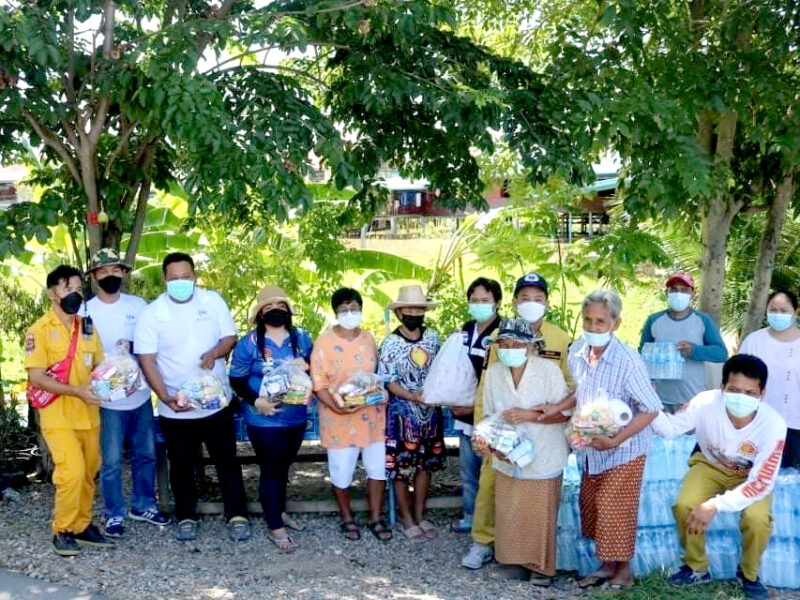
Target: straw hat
[(271, 293), (411, 295)]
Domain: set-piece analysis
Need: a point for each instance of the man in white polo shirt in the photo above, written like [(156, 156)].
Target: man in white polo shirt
[(184, 331), (127, 419)]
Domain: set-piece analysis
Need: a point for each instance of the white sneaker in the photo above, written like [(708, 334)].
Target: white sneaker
[(477, 556)]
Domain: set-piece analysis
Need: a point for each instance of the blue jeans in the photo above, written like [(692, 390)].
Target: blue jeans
[(135, 427), (470, 464)]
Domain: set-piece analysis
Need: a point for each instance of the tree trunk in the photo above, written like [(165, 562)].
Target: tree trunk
[(716, 226), (767, 250)]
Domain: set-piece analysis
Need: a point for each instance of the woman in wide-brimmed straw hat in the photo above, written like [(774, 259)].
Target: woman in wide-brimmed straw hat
[(275, 429), (414, 432), (527, 497)]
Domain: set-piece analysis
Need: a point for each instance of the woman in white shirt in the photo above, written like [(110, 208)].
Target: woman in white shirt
[(526, 497), (778, 345)]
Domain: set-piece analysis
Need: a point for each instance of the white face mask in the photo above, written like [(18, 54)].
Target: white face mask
[(349, 320), (678, 301), (531, 311), (512, 357), (740, 405), (596, 340)]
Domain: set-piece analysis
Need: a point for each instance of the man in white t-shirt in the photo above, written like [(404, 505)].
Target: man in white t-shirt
[(186, 332), (127, 419), (741, 440)]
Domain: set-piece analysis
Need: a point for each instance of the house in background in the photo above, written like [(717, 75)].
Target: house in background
[(11, 190)]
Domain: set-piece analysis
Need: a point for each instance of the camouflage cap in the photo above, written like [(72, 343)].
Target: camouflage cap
[(106, 257)]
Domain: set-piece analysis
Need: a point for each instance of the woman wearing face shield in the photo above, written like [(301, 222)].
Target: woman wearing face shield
[(526, 497), (778, 345), (414, 431)]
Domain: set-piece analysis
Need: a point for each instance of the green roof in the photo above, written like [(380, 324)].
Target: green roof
[(602, 185)]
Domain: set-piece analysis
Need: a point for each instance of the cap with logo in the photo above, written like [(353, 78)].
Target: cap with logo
[(106, 257), (531, 280)]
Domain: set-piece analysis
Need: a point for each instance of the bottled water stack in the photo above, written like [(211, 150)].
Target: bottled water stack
[(663, 360), (658, 545)]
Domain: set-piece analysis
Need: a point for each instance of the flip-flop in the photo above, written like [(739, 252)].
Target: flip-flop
[(351, 531), (414, 534), (593, 580), (285, 545), (617, 586), (428, 528), (292, 523)]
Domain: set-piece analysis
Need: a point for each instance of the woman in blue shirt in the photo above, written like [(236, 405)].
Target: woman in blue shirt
[(276, 430)]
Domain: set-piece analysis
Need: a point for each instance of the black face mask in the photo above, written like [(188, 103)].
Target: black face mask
[(412, 323), (71, 303), (277, 317), (110, 284)]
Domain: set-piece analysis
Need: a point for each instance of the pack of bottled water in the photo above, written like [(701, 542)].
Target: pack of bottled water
[(663, 361), (658, 546)]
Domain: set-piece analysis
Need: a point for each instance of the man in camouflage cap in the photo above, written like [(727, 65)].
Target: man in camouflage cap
[(124, 419)]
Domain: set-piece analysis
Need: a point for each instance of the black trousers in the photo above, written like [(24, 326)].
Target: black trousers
[(791, 453), (184, 438), (276, 449)]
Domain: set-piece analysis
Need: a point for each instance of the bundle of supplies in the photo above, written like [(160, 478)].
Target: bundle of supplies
[(362, 389), (287, 384), (204, 391), (451, 380), (602, 415), (118, 376), (496, 435)]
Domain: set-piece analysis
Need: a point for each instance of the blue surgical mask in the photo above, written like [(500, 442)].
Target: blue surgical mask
[(596, 340), (180, 290), (512, 357), (740, 405), (481, 312), (678, 301), (780, 321)]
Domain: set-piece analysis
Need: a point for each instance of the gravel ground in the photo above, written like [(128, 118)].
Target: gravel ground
[(149, 564)]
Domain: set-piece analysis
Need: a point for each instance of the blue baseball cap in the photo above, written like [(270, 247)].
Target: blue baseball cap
[(531, 280)]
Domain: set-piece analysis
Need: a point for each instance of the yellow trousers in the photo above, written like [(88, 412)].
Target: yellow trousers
[(76, 456), (706, 480), (483, 518)]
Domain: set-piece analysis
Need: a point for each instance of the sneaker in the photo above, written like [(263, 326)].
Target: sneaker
[(114, 528), (239, 529), (91, 536), (478, 555), (753, 590), (686, 576), (187, 530), (64, 544), (151, 515), (462, 525)]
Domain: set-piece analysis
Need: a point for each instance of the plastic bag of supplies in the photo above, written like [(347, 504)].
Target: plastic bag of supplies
[(287, 384), (362, 389), (496, 436), (204, 391), (601, 416), (451, 380), (118, 376)]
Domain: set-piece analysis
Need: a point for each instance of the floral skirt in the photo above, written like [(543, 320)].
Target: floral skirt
[(414, 439)]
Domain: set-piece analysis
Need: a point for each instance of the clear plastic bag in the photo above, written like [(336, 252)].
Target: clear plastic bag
[(603, 415), (663, 360), (118, 376), (362, 389), (495, 435), (451, 380), (204, 391), (287, 384)]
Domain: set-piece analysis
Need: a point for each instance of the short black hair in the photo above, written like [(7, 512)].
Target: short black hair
[(176, 257), (490, 285), (790, 295), (747, 365), (343, 295), (62, 273)]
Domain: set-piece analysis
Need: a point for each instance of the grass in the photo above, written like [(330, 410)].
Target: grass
[(655, 587)]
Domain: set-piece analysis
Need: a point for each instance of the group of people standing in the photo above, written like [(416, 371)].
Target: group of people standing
[(528, 369)]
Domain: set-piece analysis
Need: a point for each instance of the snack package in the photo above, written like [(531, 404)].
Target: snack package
[(601, 416), (451, 380), (663, 361), (287, 384), (500, 437), (204, 391), (362, 389), (118, 376)]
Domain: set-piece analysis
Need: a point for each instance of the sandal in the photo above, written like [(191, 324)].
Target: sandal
[(428, 528), (351, 531), (292, 523), (380, 531), (594, 579), (414, 534), (285, 545)]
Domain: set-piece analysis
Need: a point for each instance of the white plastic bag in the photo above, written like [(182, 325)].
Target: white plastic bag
[(451, 380)]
